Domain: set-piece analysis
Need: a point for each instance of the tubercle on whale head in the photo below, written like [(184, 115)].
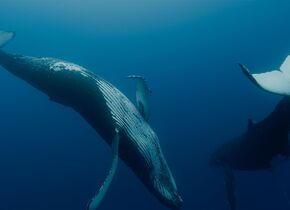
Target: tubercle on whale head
[(177, 202), (165, 189), (170, 199)]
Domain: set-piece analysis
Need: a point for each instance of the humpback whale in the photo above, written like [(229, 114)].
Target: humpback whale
[(256, 148), (108, 111)]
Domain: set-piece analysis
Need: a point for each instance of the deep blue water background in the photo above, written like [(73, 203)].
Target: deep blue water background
[(50, 158)]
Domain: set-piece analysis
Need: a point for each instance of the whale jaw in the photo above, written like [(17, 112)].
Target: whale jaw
[(164, 188), (169, 198)]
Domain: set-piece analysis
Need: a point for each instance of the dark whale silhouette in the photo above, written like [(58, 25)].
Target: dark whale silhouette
[(256, 148), (106, 109), (262, 142)]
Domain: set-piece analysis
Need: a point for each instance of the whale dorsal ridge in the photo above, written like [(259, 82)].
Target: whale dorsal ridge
[(5, 37), (142, 95)]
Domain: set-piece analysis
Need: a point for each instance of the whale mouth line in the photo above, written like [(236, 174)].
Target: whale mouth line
[(167, 192)]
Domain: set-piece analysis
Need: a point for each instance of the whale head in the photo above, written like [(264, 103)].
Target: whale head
[(144, 156), (165, 189)]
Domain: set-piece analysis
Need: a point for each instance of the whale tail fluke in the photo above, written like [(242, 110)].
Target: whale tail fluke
[(275, 81), (5, 37)]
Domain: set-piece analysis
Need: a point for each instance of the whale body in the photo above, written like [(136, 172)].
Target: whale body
[(106, 109), (255, 149)]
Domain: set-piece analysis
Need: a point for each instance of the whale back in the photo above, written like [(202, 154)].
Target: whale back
[(263, 141)]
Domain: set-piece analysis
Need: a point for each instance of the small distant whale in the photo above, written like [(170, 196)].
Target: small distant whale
[(256, 148), (262, 142), (108, 111)]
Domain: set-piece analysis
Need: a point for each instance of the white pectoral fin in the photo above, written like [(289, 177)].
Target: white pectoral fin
[(5, 37), (142, 95), (230, 187), (276, 81), (97, 199)]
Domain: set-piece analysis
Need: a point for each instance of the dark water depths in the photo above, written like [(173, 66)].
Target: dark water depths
[(50, 158)]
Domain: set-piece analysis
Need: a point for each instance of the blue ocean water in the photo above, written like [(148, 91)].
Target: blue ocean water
[(50, 158)]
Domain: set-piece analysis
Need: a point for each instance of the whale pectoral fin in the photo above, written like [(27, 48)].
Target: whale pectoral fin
[(98, 197), (230, 187), (276, 81), (142, 95), (5, 37)]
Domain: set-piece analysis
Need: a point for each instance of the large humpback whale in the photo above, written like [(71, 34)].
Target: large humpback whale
[(107, 110)]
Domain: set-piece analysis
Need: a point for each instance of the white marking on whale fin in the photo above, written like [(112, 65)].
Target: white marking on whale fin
[(5, 37), (230, 187), (276, 81), (142, 95), (97, 199)]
